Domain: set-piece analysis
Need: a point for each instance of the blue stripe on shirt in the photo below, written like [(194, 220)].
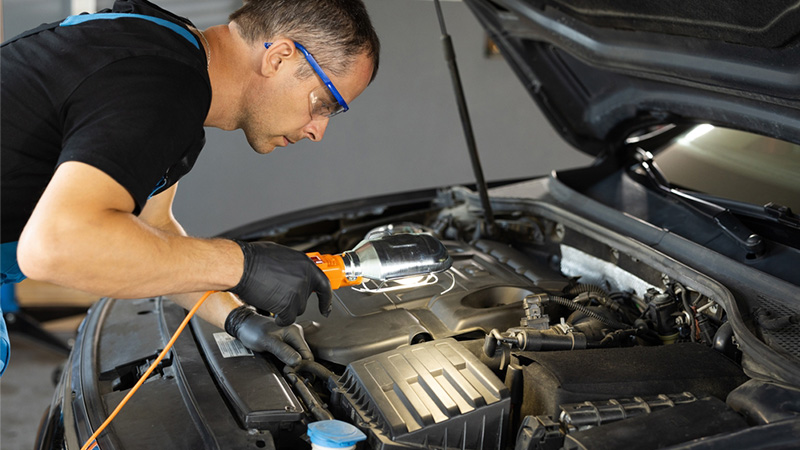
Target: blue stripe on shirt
[(82, 18)]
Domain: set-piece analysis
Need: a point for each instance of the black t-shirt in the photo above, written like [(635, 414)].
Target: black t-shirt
[(127, 96)]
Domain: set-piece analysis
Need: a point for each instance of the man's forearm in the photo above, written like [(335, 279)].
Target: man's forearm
[(214, 310), (82, 235), (126, 258)]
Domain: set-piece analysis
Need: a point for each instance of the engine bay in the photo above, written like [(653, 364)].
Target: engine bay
[(551, 332), (550, 340)]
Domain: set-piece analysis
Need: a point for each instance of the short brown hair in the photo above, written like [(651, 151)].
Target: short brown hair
[(334, 31)]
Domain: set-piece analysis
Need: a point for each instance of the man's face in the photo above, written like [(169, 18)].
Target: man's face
[(278, 110)]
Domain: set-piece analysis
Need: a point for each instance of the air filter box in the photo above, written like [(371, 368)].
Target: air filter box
[(431, 395), (554, 378)]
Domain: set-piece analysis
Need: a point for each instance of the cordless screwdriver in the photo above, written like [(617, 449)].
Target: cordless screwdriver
[(384, 258)]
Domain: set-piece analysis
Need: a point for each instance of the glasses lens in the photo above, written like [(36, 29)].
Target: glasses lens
[(323, 103)]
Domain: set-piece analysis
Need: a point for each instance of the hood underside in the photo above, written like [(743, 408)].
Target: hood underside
[(601, 69)]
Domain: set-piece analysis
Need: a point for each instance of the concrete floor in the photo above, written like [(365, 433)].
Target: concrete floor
[(27, 386)]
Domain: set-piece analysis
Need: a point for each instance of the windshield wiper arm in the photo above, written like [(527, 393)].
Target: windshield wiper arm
[(772, 212), (751, 242), (782, 214)]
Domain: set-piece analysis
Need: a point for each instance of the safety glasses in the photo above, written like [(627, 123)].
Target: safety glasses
[(324, 102)]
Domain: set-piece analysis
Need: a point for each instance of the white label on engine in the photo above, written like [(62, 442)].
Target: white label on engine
[(230, 346)]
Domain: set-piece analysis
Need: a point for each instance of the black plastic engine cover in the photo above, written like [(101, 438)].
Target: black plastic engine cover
[(483, 290), (555, 378)]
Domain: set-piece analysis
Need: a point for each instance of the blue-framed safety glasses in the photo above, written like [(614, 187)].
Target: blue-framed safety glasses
[(321, 103)]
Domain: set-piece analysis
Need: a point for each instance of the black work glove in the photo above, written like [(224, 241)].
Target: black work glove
[(262, 334), (280, 280)]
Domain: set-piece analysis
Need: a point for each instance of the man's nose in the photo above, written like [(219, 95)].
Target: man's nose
[(315, 129)]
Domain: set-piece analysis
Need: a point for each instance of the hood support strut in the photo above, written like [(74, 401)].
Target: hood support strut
[(450, 56)]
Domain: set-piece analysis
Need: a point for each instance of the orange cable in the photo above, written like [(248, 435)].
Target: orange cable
[(141, 381)]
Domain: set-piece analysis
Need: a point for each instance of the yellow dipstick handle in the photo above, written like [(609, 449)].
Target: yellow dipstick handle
[(333, 267)]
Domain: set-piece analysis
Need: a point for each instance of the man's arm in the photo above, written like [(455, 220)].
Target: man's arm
[(82, 234), (158, 214), (223, 309)]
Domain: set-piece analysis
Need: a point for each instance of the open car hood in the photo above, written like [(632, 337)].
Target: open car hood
[(600, 69)]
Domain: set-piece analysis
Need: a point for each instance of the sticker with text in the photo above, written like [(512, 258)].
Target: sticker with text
[(230, 346)]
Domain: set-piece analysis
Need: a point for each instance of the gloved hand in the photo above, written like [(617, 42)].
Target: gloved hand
[(262, 334), (280, 280)]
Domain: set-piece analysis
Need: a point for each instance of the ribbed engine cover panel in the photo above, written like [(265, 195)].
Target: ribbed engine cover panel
[(431, 395)]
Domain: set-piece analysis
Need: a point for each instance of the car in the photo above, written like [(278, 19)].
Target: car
[(649, 300)]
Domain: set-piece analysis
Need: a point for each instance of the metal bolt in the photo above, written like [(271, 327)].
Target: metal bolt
[(558, 232)]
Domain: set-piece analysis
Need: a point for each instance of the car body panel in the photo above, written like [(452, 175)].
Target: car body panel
[(597, 78)]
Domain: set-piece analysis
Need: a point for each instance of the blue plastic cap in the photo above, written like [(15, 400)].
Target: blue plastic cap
[(334, 434)]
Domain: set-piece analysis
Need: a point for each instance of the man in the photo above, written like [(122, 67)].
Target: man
[(103, 113)]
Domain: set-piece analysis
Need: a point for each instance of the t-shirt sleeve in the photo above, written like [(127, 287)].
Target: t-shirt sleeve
[(134, 119)]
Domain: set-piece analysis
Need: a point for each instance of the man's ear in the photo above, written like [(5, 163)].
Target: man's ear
[(277, 56)]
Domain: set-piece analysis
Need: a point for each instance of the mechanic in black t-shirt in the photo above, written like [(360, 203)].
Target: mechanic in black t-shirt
[(103, 113)]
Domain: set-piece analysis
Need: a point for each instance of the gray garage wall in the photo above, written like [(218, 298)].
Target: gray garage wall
[(403, 133)]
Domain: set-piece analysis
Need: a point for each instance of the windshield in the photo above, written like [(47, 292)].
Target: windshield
[(733, 164)]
